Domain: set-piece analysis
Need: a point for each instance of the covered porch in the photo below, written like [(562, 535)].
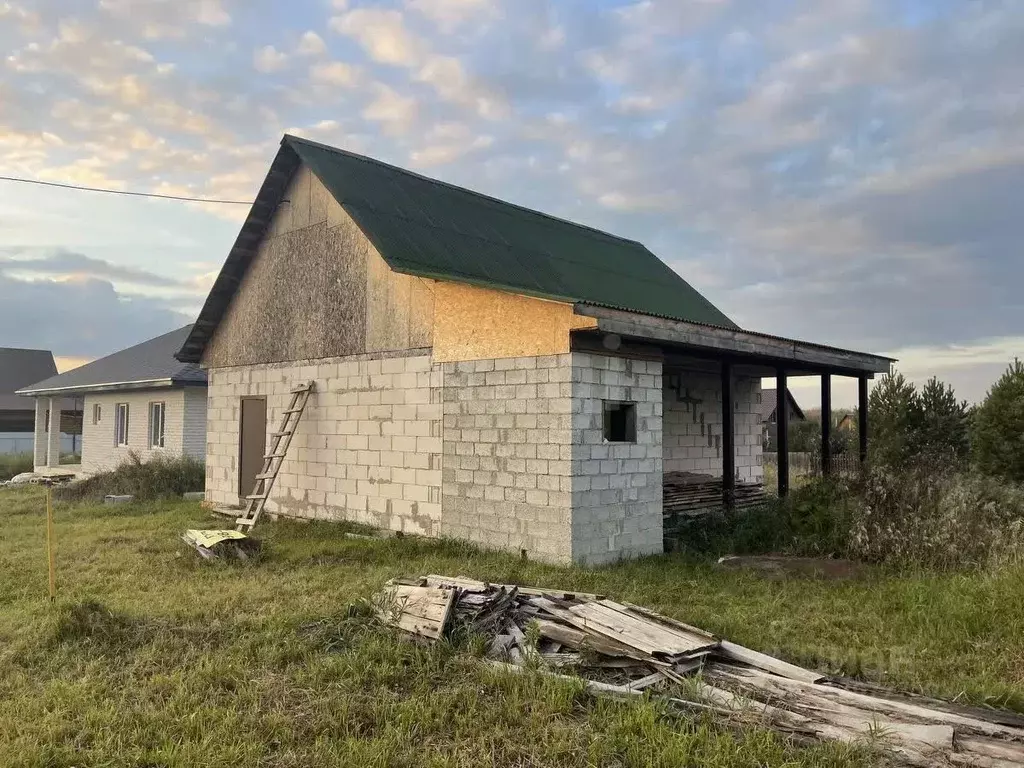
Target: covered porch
[(56, 417), (712, 453)]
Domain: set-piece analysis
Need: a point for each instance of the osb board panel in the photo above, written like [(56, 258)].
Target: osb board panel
[(472, 323), (318, 288)]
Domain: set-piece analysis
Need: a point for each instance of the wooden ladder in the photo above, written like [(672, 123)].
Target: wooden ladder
[(274, 458)]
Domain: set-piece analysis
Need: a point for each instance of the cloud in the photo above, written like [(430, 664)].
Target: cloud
[(382, 34), (269, 59), (334, 73), (71, 265), (452, 14), (81, 318), (311, 44)]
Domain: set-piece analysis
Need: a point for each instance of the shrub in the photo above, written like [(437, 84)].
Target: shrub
[(12, 464), (926, 516), (998, 427), (145, 480)]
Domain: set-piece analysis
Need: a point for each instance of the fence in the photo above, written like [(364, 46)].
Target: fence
[(804, 463), (17, 442)]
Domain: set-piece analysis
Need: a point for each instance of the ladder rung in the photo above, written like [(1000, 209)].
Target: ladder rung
[(245, 521), (265, 475), (280, 434), (301, 388), (255, 496), (292, 410), (273, 455)]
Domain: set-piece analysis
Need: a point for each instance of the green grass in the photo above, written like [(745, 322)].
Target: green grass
[(12, 464), (150, 657)]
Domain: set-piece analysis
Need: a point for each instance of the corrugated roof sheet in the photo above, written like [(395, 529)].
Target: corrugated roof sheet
[(429, 228), (151, 360), (19, 368)]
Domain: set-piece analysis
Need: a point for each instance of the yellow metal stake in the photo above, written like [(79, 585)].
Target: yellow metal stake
[(49, 545)]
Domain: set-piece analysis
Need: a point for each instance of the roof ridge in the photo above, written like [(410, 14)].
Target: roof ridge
[(457, 188)]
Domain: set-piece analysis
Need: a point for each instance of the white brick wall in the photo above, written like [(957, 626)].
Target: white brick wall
[(693, 430), (368, 446), (616, 487), (507, 454), (99, 449), (194, 423)]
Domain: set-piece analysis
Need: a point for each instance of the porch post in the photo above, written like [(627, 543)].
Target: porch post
[(782, 429), (53, 436), (826, 424), (862, 418), (728, 439), (39, 437)]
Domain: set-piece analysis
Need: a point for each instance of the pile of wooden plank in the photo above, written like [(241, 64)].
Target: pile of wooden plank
[(690, 494), (622, 649)]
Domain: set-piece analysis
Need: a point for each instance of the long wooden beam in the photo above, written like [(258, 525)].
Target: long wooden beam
[(862, 418)]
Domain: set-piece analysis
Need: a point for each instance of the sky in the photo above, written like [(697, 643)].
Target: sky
[(846, 172)]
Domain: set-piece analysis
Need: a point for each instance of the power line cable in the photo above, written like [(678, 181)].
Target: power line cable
[(123, 192)]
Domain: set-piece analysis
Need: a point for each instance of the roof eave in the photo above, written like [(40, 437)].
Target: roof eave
[(114, 386), (798, 356)]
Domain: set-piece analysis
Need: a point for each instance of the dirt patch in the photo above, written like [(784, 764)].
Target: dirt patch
[(785, 567)]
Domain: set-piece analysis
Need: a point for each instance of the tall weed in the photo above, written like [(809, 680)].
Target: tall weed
[(145, 480)]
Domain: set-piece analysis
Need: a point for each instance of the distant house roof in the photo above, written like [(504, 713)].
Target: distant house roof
[(428, 228), (149, 364), (769, 401), (19, 368)]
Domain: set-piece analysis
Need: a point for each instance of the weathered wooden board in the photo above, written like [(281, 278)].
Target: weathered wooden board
[(637, 632)]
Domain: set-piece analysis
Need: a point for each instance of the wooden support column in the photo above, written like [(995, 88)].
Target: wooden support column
[(862, 418), (782, 430), (728, 439), (826, 424)]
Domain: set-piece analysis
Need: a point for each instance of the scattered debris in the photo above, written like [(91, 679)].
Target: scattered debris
[(690, 495), (37, 478), (222, 544), (115, 499), (623, 649)]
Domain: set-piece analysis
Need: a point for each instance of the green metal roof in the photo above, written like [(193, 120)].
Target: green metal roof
[(425, 227)]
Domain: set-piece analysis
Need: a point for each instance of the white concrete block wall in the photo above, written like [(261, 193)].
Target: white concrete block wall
[(507, 454), (693, 430), (368, 447), (99, 449), (616, 487)]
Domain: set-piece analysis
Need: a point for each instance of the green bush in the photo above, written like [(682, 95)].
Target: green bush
[(814, 520), (927, 516), (145, 480), (12, 464), (998, 427)]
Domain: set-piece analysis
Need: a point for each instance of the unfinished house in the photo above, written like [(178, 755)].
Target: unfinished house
[(139, 400), (482, 371)]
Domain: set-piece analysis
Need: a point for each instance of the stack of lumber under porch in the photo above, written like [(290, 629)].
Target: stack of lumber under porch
[(689, 494), (623, 649)]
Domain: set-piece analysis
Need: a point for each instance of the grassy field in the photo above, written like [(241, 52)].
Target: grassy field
[(149, 657)]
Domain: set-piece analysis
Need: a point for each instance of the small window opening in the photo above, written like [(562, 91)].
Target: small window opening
[(619, 422), (97, 413)]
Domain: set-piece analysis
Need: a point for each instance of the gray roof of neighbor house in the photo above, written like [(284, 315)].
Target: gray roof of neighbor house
[(769, 400), (149, 364), (19, 368), (421, 226)]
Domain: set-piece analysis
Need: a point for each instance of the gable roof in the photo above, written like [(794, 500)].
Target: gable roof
[(424, 227), (769, 401), (19, 368), (149, 364)]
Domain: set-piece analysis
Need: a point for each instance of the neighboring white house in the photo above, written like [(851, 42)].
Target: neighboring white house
[(137, 400)]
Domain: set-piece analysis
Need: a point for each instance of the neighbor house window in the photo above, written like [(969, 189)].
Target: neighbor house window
[(156, 424), (619, 422), (121, 424), (96, 413)]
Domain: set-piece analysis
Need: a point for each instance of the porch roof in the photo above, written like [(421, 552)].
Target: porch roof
[(747, 348)]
